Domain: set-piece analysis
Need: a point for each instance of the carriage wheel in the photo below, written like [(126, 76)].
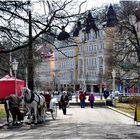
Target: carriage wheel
[(54, 111)]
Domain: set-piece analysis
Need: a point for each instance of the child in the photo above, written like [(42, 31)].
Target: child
[(91, 99)]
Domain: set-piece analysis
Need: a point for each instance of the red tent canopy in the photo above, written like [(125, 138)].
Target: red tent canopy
[(7, 86)]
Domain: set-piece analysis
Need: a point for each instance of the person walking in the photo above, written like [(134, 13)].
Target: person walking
[(82, 98), (64, 101), (106, 94), (91, 99)]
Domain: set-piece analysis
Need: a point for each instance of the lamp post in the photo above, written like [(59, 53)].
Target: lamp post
[(84, 72), (113, 83), (138, 67), (26, 76), (15, 67)]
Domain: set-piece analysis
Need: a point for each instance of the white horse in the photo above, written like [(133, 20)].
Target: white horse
[(35, 103)]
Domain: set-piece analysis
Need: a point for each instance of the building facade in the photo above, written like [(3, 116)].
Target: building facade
[(82, 63), (65, 70), (44, 70), (82, 59)]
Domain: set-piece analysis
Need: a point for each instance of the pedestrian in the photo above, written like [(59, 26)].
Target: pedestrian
[(106, 94), (64, 101), (91, 99), (82, 98)]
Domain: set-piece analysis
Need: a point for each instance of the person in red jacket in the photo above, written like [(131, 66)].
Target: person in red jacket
[(82, 98), (47, 96)]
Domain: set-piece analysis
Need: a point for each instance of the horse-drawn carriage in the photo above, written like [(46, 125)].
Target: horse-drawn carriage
[(32, 105)]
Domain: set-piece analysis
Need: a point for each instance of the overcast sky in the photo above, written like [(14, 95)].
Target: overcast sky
[(86, 6), (97, 3)]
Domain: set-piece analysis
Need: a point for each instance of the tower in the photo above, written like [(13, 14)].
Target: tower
[(110, 29)]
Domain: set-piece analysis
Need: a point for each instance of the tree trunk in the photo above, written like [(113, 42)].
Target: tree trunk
[(30, 57)]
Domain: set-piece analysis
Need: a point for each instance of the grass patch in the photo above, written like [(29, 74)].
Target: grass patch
[(125, 107), (2, 111)]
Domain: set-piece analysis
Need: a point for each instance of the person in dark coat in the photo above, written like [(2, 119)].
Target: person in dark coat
[(106, 93), (64, 101)]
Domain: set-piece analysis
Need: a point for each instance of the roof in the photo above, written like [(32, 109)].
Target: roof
[(63, 35), (9, 78)]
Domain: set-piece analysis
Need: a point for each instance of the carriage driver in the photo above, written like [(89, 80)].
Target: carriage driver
[(48, 100)]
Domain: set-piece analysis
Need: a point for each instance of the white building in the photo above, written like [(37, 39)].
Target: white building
[(64, 65), (87, 68), (91, 59)]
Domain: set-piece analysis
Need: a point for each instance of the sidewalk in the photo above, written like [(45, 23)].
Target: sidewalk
[(126, 114), (97, 103)]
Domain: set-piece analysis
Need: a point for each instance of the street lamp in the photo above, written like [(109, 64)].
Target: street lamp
[(15, 67), (113, 84), (84, 72)]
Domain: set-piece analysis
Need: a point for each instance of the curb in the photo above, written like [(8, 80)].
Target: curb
[(126, 114), (2, 125)]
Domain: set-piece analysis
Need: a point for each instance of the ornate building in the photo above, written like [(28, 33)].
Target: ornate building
[(83, 58), (82, 63)]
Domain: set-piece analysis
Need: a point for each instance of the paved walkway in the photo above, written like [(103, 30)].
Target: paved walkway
[(98, 102)]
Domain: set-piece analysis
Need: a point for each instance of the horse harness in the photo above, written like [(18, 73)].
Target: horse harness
[(32, 98)]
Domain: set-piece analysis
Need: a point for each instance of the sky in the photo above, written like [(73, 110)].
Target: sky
[(97, 3), (86, 6), (90, 3)]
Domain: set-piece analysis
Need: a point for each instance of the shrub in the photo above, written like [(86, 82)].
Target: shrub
[(134, 100), (124, 99)]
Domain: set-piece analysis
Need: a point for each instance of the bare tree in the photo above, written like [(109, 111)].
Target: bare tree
[(15, 20), (23, 26), (127, 40)]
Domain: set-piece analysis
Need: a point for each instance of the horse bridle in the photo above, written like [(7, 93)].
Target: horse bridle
[(30, 100)]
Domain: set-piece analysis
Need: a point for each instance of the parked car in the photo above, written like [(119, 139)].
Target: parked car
[(116, 94)]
